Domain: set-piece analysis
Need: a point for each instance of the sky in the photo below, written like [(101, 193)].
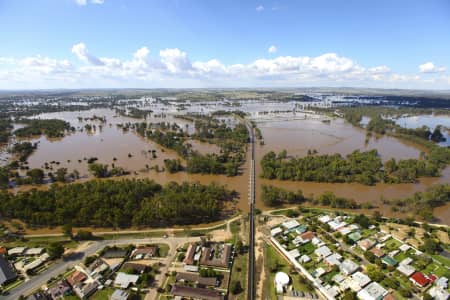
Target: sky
[(50, 44)]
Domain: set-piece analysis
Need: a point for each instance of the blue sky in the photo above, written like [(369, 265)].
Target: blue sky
[(211, 43)]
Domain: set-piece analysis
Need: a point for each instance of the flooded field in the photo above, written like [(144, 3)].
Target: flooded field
[(431, 121), (113, 145), (298, 136), (336, 136)]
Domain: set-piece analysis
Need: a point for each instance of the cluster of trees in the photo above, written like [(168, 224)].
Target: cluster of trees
[(273, 196), (362, 167), (232, 142), (423, 203), (173, 165), (102, 170), (52, 128), (118, 204), (23, 150), (5, 130), (171, 140)]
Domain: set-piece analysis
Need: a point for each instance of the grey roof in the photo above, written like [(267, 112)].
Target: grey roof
[(7, 272), (119, 295)]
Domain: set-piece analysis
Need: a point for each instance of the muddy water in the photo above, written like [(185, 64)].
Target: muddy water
[(299, 136), (340, 137), (295, 136), (112, 142)]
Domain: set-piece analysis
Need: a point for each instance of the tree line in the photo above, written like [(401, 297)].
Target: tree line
[(361, 167), (52, 128), (118, 204)]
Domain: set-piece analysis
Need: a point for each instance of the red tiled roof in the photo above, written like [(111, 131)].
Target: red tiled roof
[(189, 258), (420, 279), (76, 277), (307, 235), (432, 278)]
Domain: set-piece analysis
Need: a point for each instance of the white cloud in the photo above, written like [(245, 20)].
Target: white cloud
[(272, 49), (175, 60), (173, 68), (429, 67), (85, 2), (379, 69), (81, 51), (259, 8), (141, 53)]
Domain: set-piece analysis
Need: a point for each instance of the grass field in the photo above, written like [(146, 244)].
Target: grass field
[(239, 273)]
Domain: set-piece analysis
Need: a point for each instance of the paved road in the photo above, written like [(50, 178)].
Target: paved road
[(62, 265), (251, 252)]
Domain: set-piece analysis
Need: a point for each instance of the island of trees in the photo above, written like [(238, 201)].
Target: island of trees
[(362, 167), (52, 128)]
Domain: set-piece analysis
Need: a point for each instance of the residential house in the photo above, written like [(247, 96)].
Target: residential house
[(373, 291), (360, 280), (197, 279), (195, 293), (7, 272), (419, 279), (124, 280), (322, 252), (366, 244), (144, 252), (61, 289), (348, 267), (218, 255), (119, 295)]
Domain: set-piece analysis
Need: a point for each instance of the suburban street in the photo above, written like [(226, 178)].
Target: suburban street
[(62, 265)]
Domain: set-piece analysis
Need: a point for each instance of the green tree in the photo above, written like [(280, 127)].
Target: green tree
[(36, 176), (55, 250), (235, 287)]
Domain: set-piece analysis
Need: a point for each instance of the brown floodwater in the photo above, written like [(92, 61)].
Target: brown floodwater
[(112, 142), (295, 136), (337, 136), (340, 137)]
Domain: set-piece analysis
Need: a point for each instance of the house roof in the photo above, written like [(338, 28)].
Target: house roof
[(323, 251), (373, 291), (366, 244), (7, 272), (124, 280), (349, 266), (355, 236), (196, 293), (377, 252), (151, 251), (211, 258), (308, 235), (406, 269), (76, 278), (290, 224), (189, 258), (389, 260), (119, 295), (419, 278), (361, 278)]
